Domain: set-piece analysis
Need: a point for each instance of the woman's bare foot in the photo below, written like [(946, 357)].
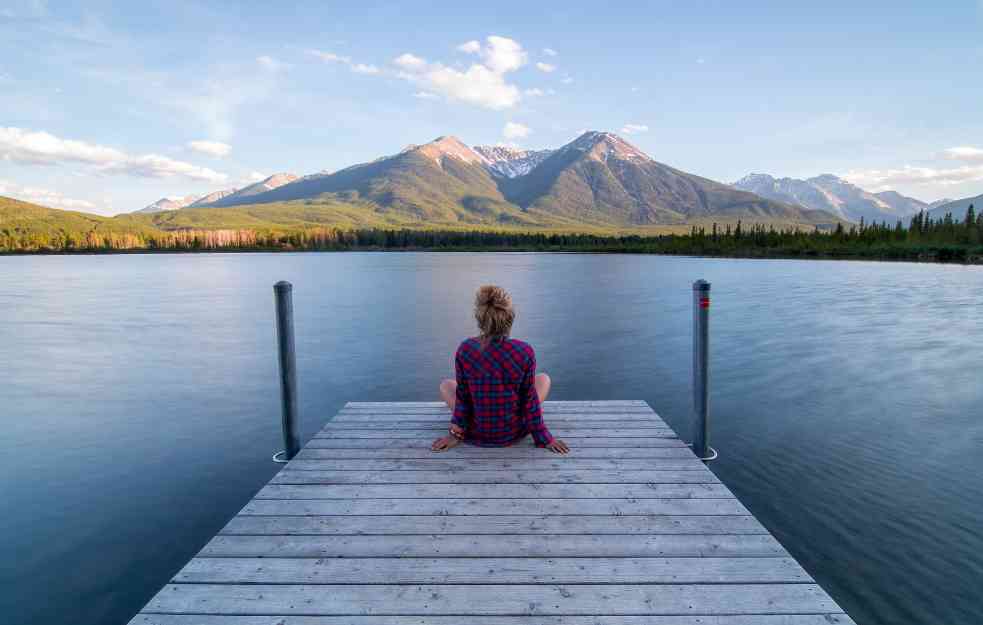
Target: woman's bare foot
[(444, 443)]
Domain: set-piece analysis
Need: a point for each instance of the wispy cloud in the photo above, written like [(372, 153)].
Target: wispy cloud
[(545, 67), (470, 47), (357, 68), (211, 148), (42, 148), (634, 129), (330, 57), (966, 154), (483, 84), (44, 197), (549, 52), (515, 130), (425, 95), (567, 80), (270, 64), (880, 179), (534, 92)]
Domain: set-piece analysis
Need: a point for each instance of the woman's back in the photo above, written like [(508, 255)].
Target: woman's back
[(496, 394)]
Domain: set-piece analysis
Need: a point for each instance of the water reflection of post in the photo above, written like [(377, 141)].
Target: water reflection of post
[(701, 371)]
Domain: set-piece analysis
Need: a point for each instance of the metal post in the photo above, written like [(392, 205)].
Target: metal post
[(288, 369), (701, 370)]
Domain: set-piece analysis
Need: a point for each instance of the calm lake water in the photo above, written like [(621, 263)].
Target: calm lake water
[(139, 401)]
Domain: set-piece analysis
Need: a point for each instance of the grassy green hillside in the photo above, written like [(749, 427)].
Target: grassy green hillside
[(28, 226)]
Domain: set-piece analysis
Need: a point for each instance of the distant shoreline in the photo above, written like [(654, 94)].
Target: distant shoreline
[(975, 259)]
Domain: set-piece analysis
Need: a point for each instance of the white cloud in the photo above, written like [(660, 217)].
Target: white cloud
[(253, 177), (44, 197), (515, 130), (482, 84), (157, 166), (410, 62), (357, 68), (425, 95), (470, 47), (534, 92), (42, 148), (634, 129), (545, 67), (549, 52), (502, 54), (567, 80), (330, 57), (270, 64), (881, 179), (211, 148), (964, 153)]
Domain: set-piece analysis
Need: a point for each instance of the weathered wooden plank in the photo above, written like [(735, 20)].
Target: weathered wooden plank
[(281, 619), (428, 434), (424, 443), (498, 524), (548, 409), (492, 546), (507, 600), (478, 476), (558, 570), (330, 461), (547, 404), (417, 422), (494, 491), (566, 413), (549, 417), (465, 506), (516, 453)]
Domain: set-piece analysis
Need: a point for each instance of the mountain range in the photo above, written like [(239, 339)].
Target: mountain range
[(835, 195), (957, 208), (597, 180), (227, 197)]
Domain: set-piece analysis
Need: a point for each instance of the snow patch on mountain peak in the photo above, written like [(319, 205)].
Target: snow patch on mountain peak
[(606, 145), (509, 162), (442, 147)]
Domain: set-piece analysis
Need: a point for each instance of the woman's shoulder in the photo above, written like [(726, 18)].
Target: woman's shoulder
[(469, 344), (522, 347)]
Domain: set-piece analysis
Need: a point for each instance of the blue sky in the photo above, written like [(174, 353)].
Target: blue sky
[(107, 107)]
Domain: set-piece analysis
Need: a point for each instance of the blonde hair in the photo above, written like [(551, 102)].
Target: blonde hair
[(493, 311)]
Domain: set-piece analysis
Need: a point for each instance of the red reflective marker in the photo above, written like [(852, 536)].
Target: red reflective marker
[(704, 302)]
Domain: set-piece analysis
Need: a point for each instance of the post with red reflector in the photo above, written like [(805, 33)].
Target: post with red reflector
[(701, 370)]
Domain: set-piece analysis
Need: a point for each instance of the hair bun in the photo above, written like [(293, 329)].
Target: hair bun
[(490, 296), (493, 311)]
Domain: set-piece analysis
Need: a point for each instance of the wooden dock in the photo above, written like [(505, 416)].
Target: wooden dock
[(367, 526)]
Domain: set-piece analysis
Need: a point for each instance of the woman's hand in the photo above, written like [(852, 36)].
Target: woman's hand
[(558, 447), (444, 443)]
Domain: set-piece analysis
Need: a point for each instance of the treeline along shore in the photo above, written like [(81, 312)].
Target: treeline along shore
[(924, 239)]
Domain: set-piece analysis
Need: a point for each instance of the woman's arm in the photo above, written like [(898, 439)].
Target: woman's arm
[(463, 406), (530, 406), (463, 411)]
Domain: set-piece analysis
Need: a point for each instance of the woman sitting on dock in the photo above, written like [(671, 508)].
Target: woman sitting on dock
[(495, 400)]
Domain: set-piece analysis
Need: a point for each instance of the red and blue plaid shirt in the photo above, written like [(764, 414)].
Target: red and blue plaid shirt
[(497, 402)]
